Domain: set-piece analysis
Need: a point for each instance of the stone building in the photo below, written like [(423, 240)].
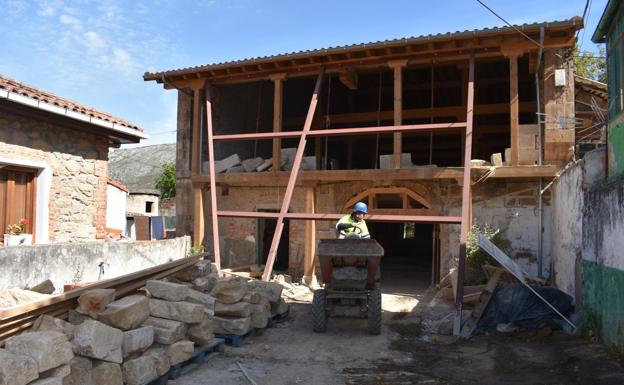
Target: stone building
[(53, 163), (418, 90)]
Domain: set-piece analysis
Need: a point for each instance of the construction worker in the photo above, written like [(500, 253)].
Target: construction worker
[(354, 223)]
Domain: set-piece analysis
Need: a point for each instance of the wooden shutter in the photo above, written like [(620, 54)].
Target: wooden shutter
[(17, 198)]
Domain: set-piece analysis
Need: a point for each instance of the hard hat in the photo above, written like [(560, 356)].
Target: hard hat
[(360, 207)]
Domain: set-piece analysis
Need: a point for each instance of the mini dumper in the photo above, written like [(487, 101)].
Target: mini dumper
[(350, 274)]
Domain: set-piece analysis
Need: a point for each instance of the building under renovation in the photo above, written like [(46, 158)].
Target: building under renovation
[(383, 123)]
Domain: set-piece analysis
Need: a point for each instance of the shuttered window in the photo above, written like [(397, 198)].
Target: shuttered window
[(17, 198)]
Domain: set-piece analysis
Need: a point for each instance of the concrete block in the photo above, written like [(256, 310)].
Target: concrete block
[(46, 322), (180, 351), (203, 332), (200, 298), (166, 290), (265, 165), (94, 302), (45, 287), (228, 325), (97, 340), (166, 331), (17, 369), (250, 165), (139, 371), (137, 340), (177, 311), (230, 290), (80, 371), (106, 373), (496, 159), (161, 359), (229, 162), (239, 309), (126, 313), (48, 348)]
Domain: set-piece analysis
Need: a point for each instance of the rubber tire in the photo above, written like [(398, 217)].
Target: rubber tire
[(374, 312), (319, 314)]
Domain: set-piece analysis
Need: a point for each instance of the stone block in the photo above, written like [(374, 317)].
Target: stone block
[(80, 371), (508, 156), (496, 159), (229, 162), (235, 169), (139, 371), (127, 313), (166, 331), (203, 332), (272, 291), (161, 359), (386, 162), (94, 302), (48, 381), (17, 369), (201, 269), (229, 325), (260, 314), (177, 311), (97, 340), (106, 373), (46, 322), (308, 163), (180, 351), (137, 340), (252, 296), (478, 163), (287, 155), (280, 307), (205, 284), (200, 298), (265, 165), (45, 287), (239, 309), (250, 165), (48, 348), (60, 371), (168, 291), (230, 290), (76, 318)]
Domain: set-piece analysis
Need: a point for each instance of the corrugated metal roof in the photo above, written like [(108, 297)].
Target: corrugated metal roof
[(572, 22)]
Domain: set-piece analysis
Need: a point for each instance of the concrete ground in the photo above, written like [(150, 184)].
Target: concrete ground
[(292, 354)]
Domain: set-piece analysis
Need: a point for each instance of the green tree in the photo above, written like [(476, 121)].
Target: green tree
[(166, 181), (589, 64)]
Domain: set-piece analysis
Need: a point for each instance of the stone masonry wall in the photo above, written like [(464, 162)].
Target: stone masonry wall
[(77, 207)]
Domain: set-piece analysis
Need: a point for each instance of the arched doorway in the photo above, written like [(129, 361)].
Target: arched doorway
[(411, 260)]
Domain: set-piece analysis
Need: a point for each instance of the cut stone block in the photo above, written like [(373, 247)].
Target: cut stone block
[(59, 371), (478, 163), (48, 381), (166, 331), (80, 373), (204, 299), (230, 290), (17, 369), (97, 340), (252, 296), (139, 371), (45, 287), (205, 284), (280, 307), (46, 322), (308, 163), (202, 333), (235, 169), (127, 313), (168, 291), (200, 269), (386, 162), (508, 156), (177, 311), (496, 159), (272, 291), (48, 348), (137, 340), (260, 314), (180, 351), (229, 162), (265, 165), (94, 302), (161, 359), (239, 309), (288, 157), (76, 318), (106, 373), (236, 326), (250, 165)]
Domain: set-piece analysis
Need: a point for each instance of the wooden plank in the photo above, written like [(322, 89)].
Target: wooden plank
[(279, 227), (333, 217), (514, 117), (196, 147), (477, 311), (213, 184), (278, 90), (310, 234)]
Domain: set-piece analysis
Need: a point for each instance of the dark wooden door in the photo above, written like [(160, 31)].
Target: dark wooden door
[(17, 198)]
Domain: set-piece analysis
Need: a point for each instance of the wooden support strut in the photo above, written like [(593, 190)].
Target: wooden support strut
[(279, 227), (514, 109), (466, 201), (213, 179), (278, 91)]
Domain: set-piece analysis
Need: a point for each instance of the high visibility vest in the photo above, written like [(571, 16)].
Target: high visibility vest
[(361, 225)]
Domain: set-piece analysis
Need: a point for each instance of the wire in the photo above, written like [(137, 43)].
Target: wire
[(509, 24), (586, 12)]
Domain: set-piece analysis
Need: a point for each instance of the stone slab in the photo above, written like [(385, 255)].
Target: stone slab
[(48, 348), (168, 291), (272, 291), (205, 284), (94, 302), (201, 269), (250, 165), (139, 371), (265, 165), (260, 314), (239, 309), (236, 326), (230, 290), (127, 313), (106, 373), (180, 351), (177, 311), (161, 359), (229, 162), (97, 340), (17, 369), (80, 371), (200, 298), (137, 340), (166, 331), (203, 332)]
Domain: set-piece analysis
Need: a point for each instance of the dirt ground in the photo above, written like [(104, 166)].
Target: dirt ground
[(292, 354)]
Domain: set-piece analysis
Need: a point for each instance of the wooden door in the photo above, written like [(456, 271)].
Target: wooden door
[(17, 198)]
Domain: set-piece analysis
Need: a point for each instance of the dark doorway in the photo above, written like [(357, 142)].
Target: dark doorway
[(264, 236), (406, 265)]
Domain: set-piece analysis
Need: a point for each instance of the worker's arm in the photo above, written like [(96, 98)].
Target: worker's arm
[(343, 226)]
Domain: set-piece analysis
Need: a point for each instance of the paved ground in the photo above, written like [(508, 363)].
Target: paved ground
[(293, 354)]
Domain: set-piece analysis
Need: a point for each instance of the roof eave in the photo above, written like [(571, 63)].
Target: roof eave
[(608, 14)]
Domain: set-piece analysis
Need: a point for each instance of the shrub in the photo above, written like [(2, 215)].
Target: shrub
[(476, 257)]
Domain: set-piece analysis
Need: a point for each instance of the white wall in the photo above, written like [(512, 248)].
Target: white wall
[(135, 204), (115, 208)]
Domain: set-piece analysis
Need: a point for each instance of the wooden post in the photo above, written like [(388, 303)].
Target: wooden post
[(196, 148), (398, 65), (466, 204), (514, 119), (279, 227), (213, 178), (198, 215), (310, 235), (278, 90)]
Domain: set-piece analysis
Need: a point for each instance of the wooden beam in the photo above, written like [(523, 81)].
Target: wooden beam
[(278, 89), (349, 78), (514, 111), (310, 234), (290, 188), (213, 183), (397, 141), (332, 217), (196, 147)]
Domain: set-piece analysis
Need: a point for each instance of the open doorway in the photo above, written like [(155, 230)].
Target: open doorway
[(264, 236), (406, 267)]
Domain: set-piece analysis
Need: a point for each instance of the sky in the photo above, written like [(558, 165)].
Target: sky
[(96, 52)]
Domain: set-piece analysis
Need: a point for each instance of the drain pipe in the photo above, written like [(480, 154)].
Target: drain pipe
[(540, 199)]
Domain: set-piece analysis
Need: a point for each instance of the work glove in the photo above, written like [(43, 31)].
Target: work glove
[(344, 226)]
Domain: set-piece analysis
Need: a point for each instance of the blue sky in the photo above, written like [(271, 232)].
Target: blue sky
[(96, 52)]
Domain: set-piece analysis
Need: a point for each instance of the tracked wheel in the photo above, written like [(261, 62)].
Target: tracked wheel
[(319, 314), (374, 311)]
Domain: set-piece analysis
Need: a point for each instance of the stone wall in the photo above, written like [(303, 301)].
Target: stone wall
[(78, 161)]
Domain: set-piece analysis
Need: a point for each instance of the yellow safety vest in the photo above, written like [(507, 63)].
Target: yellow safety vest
[(361, 225)]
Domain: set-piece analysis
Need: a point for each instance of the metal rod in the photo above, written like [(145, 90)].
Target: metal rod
[(213, 181), (330, 217), (251, 381)]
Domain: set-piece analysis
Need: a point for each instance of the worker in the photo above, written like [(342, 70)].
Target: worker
[(354, 223)]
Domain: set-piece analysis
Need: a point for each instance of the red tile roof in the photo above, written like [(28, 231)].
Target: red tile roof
[(116, 183), (17, 87)]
